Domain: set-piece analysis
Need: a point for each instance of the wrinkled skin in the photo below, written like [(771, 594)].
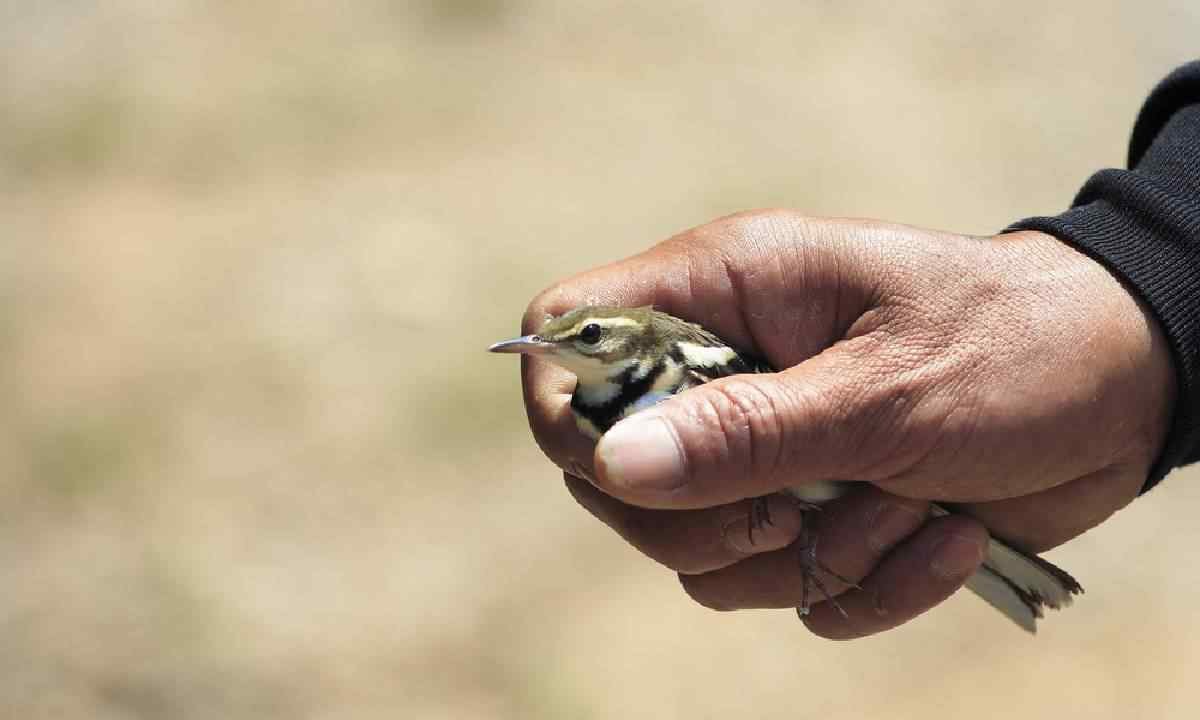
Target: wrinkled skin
[(1011, 375)]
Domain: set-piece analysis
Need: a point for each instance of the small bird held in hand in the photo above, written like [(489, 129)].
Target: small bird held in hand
[(629, 359)]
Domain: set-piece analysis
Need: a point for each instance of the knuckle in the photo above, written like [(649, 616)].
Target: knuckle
[(644, 531), (826, 629), (700, 591), (577, 468), (545, 303), (887, 401), (680, 558), (895, 424), (755, 222), (631, 524), (747, 226), (749, 420), (1143, 444), (685, 563)]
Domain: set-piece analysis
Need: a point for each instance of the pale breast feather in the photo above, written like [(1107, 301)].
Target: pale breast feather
[(633, 381), (598, 393)]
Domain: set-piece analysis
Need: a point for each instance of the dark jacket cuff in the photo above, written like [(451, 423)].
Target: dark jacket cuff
[(1144, 225)]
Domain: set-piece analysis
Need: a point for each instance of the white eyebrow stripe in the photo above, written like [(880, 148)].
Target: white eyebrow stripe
[(612, 322), (705, 356)]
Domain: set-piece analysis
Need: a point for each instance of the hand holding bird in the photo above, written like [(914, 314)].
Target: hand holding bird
[(1011, 376)]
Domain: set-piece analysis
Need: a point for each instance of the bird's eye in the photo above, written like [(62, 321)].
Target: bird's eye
[(590, 334)]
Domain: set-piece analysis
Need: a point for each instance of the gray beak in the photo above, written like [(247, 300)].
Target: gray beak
[(526, 344)]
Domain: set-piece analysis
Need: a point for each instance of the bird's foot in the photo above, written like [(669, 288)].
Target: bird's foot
[(760, 516), (811, 567), (810, 573), (760, 513)]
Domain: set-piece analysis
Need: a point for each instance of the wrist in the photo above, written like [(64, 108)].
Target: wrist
[(1121, 337)]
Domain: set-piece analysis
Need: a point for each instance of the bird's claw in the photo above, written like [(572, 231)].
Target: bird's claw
[(810, 566), (760, 517)]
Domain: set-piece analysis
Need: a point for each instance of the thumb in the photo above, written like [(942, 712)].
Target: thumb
[(836, 416)]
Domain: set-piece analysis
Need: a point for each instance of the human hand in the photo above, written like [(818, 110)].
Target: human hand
[(1012, 375)]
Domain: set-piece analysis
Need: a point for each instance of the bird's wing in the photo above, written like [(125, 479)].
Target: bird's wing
[(741, 364)]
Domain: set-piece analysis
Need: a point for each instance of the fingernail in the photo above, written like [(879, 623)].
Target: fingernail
[(641, 452), (782, 528), (956, 556), (891, 523)]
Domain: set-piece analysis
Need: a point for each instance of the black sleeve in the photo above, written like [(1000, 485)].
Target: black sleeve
[(1144, 224)]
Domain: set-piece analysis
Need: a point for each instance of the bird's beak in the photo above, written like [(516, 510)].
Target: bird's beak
[(526, 344)]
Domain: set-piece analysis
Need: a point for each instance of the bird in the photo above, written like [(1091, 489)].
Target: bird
[(628, 359)]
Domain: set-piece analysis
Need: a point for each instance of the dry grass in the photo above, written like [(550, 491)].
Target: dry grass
[(235, 484)]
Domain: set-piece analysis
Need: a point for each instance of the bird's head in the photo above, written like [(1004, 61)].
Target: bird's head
[(595, 343)]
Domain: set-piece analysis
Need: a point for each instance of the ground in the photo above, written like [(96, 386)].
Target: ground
[(254, 460)]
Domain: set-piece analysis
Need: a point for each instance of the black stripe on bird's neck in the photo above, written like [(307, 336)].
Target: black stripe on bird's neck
[(606, 414)]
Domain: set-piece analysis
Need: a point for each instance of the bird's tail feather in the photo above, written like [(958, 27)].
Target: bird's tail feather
[(1021, 585)]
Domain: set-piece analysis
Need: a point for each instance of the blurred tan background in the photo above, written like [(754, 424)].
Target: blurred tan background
[(254, 462)]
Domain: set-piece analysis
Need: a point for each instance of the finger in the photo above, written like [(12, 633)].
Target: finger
[(547, 389), (862, 409), (775, 277), (914, 577), (693, 541), (1046, 519), (851, 534)]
